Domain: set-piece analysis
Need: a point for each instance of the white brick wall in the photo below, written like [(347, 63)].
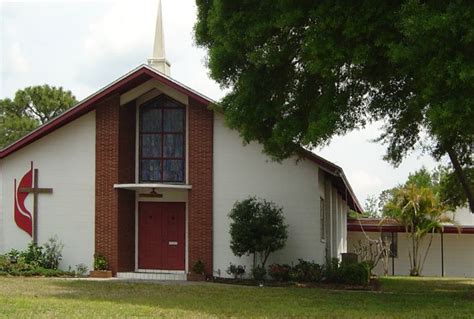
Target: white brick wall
[(66, 162), (243, 171)]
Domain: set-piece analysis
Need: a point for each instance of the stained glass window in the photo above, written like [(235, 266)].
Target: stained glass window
[(162, 141)]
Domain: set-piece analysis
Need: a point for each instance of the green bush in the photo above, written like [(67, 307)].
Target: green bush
[(259, 273), (18, 267), (81, 270), (355, 274), (279, 272), (306, 271), (13, 255), (237, 271), (100, 263), (52, 253), (257, 228), (198, 267), (34, 261), (47, 256), (332, 271), (33, 255), (4, 263)]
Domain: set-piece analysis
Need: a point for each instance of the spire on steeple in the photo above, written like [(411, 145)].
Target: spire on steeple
[(158, 60)]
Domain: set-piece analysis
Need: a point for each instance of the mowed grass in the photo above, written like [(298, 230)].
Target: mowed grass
[(399, 298)]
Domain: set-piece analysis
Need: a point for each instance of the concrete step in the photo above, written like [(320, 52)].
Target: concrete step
[(152, 275)]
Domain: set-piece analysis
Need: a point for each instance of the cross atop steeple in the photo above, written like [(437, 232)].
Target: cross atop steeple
[(158, 60)]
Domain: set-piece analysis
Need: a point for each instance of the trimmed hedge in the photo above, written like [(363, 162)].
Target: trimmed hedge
[(333, 271), (355, 274)]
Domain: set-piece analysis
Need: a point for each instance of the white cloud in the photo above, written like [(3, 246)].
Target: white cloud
[(123, 28), (16, 61), (365, 182)]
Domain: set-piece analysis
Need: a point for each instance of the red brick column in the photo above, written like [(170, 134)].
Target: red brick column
[(115, 209), (106, 198), (200, 149), (126, 205)]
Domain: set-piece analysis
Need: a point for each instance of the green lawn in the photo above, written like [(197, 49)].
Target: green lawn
[(399, 297)]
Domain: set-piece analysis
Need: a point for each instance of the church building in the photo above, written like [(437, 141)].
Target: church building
[(145, 173)]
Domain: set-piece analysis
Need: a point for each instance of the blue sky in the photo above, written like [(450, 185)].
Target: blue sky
[(84, 45)]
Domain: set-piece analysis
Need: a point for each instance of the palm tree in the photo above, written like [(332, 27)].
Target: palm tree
[(419, 210)]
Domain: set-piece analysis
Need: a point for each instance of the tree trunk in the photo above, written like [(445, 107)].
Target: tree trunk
[(413, 242), (462, 178)]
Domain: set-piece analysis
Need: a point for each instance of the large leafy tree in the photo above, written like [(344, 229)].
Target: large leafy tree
[(31, 107), (300, 72), (450, 190)]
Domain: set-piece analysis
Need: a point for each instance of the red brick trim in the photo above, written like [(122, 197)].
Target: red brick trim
[(106, 200), (126, 206), (200, 169), (373, 225), (115, 162)]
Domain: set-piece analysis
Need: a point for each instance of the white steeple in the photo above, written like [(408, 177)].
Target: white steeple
[(158, 60)]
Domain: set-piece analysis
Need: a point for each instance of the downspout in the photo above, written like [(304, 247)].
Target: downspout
[(393, 256), (442, 253)]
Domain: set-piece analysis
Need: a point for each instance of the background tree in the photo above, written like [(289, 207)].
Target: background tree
[(420, 212), (443, 183), (300, 72), (257, 229), (372, 251), (31, 107), (371, 207)]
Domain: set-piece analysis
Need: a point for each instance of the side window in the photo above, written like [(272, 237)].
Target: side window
[(322, 219)]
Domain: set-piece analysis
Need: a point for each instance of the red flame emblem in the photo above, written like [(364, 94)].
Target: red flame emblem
[(23, 217)]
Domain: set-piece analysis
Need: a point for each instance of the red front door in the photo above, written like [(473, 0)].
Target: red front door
[(161, 241)]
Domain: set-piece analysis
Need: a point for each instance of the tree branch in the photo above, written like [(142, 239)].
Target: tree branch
[(462, 177)]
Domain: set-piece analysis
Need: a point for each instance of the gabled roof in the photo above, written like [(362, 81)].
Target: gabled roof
[(339, 179), (130, 80), (140, 75)]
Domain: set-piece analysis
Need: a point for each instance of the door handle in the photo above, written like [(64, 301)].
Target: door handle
[(173, 243)]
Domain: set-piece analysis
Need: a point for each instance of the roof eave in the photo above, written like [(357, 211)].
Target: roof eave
[(87, 104)]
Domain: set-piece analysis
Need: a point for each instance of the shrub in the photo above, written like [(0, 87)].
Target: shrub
[(13, 255), (52, 253), (100, 263), (4, 263), (15, 261), (332, 271), (33, 255), (81, 270), (237, 271), (198, 267), (34, 261), (306, 271), (355, 274), (40, 271), (259, 273), (257, 229), (279, 272)]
